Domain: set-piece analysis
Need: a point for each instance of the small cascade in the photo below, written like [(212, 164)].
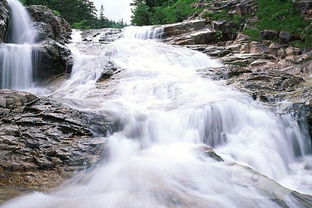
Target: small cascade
[(16, 55), (144, 33)]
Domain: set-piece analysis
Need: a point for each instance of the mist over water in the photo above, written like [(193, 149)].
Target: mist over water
[(169, 113), (16, 56)]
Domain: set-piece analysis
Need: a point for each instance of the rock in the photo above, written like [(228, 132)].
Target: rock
[(49, 24), (269, 34), (51, 60), (292, 51), (106, 35), (304, 5), (266, 85), (4, 19), (183, 27), (44, 137), (243, 60), (204, 36), (209, 152), (260, 62), (218, 51), (284, 36), (228, 29)]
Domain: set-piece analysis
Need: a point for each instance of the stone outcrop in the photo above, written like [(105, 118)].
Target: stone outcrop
[(4, 19), (42, 140), (51, 57), (51, 60), (49, 24)]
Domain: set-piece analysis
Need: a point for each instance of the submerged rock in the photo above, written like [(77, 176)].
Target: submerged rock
[(4, 19), (42, 140)]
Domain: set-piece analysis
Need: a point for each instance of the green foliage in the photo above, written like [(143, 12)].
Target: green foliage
[(253, 33), (82, 25), (141, 14), (81, 14), (281, 15), (152, 12)]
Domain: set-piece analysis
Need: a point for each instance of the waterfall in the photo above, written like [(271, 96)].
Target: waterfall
[(145, 32), (168, 114), (16, 68)]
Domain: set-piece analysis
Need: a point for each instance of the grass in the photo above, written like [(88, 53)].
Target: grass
[(281, 15)]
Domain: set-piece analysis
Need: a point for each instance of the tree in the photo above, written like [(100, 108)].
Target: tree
[(81, 14), (141, 14), (102, 13)]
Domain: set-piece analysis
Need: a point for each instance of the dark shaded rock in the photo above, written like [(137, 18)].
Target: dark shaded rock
[(42, 136), (209, 152), (284, 36), (51, 60), (49, 24), (228, 29), (269, 34), (4, 18), (304, 5)]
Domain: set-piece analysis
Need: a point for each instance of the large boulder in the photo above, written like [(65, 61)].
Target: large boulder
[(51, 60), (49, 24), (51, 57), (42, 141), (4, 17)]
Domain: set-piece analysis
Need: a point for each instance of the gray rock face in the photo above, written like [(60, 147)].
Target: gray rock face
[(39, 134), (4, 17), (51, 60), (51, 57), (49, 24)]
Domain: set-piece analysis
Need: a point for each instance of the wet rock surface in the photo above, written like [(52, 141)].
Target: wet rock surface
[(51, 60), (4, 19), (51, 57), (103, 36), (49, 24), (43, 141)]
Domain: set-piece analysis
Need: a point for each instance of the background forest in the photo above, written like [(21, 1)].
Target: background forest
[(81, 14)]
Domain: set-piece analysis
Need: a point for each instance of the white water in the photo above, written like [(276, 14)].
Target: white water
[(169, 111), (16, 57)]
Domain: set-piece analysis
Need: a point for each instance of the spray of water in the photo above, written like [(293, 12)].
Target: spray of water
[(169, 113)]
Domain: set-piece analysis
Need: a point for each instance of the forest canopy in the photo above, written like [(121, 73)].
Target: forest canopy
[(81, 14), (152, 12)]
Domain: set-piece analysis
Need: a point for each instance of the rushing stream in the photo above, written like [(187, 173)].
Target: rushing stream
[(169, 112)]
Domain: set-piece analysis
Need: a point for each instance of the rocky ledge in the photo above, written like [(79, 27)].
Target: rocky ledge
[(42, 141)]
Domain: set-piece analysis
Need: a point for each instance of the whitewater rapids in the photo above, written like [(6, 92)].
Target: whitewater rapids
[(169, 112)]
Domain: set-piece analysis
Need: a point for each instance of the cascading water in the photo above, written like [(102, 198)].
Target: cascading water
[(168, 112), (16, 56)]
